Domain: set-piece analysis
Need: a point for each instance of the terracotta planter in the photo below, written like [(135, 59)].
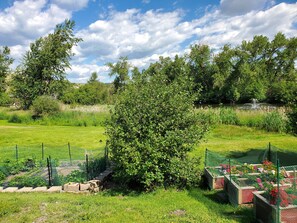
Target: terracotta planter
[(267, 213)]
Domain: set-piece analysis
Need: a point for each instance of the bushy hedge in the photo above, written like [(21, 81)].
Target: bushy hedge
[(45, 105)]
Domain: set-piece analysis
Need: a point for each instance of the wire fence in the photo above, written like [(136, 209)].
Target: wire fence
[(45, 165)]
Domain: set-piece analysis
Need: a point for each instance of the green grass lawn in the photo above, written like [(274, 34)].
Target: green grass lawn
[(235, 140), (29, 138), (160, 206), (194, 205)]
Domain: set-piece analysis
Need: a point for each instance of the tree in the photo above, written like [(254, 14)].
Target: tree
[(93, 78), (43, 67), (121, 72), (201, 70), (152, 128), (5, 62)]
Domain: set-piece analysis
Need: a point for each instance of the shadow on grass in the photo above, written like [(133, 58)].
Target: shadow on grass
[(217, 201)]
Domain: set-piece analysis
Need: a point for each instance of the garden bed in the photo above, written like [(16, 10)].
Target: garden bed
[(241, 190), (267, 213), (215, 175)]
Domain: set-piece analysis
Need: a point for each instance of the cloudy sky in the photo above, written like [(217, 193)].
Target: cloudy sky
[(143, 30)]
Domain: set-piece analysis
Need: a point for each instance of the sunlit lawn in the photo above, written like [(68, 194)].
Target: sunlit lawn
[(193, 205)]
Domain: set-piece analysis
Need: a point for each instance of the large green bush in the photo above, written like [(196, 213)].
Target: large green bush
[(153, 123), (45, 105), (292, 116)]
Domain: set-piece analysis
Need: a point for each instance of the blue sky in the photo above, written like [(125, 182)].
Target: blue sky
[(143, 30)]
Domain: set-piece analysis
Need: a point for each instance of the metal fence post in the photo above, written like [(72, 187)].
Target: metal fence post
[(42, 151), (278, 194), (205, 159), (69, 151), (16, 153), (87, 166), (49, 172), (269, 152)]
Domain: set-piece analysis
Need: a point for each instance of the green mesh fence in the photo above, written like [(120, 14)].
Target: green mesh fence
[(45, 165)]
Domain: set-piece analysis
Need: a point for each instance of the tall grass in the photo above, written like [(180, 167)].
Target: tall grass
[(271, 121), (64, 118)]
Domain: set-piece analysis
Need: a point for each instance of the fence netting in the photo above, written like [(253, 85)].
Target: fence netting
[(45, 165)]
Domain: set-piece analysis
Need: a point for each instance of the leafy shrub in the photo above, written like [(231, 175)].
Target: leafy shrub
[(27, 181), (292, 120), (228, 116), (148, 128), (274, 122), (15, 119), (184, 172), (4, 116), (5, 100), (96, 167), (45, 105), (2, 176), (76, 176)]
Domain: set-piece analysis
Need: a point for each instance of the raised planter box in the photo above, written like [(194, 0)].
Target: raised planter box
[(240, 194), (237, 194), (267, 213), (214, 182)]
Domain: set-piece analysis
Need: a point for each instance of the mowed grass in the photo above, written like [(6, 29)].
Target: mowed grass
[(29, 138), (161, 206), (230, 139), (194, 205)]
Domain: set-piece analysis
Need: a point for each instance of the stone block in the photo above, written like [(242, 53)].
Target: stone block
[(10, 189), (56, 189), (71, 187), (84, 187), (25, 189), (1, 189), (39, 189)]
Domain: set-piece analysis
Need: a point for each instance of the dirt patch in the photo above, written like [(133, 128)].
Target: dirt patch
[(178, 212)]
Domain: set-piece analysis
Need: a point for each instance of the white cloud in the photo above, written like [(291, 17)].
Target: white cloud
[(81, 73), (134, 34), (216, 30), (27, 20), (146, 1), (142, 36)]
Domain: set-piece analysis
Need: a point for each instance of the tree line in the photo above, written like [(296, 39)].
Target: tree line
[(261, 69)]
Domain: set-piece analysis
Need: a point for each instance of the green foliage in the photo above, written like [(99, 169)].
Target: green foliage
[(94, 92), (27, 181), (274, 122), (292, 119), (228, 116), (5, 62), (44, 65), (5, 100), (97, 166), (120, 70), (184, 173), (76, 176), (45, 105), (153, 122)]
